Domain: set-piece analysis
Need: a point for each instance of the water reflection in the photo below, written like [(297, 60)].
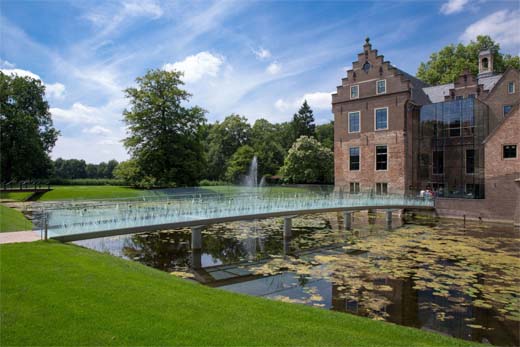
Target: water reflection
[(436, 276)]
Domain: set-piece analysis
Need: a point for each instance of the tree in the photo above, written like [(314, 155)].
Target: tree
[(27, 134), (128, 171), (325, 134), (303, 122), (308, 162), (451, 61), (224, 139), (267, 145), (164, 135), (239, 163)]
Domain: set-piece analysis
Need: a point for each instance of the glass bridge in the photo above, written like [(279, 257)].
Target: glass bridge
[(70, 221)]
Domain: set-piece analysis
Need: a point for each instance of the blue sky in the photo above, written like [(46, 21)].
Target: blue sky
[(259, 59)]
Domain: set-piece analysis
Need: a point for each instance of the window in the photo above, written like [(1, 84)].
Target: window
[(353, 122), (471, 96), (381, 118), (438, 162), (381, 87), (454, 124), (511, 87), (459, 97), (354, 187), (507, 108), (381, 157), (381, 188), (354, 92), (509, 151), (470, 161), (354, 159)]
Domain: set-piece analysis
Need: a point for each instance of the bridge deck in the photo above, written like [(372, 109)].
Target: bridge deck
[(90, 220)]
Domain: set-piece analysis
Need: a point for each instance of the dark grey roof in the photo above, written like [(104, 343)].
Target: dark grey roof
[(437, 93), (418, 95), (490, 81)]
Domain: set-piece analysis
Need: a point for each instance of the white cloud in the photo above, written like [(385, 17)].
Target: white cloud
[(453, 6), (5, 64), (78, 113), (273, 68), (21, 73), (97, 130), (55, 90), (502, 26), (317, 101), (262, 53), (197, 66), (143, 8)]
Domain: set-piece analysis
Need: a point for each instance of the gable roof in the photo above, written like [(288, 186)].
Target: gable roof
[(437, 93)]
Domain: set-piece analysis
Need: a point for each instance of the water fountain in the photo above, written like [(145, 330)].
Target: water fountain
[(251, 179)]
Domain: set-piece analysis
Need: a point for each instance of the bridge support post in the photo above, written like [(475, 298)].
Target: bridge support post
[(389, 220), (287, 227), (347, 220), (372, 215), (196, 247)]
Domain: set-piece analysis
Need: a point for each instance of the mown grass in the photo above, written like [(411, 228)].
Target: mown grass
[(17, 196), (13, 220), (90, 192), (57, 294)]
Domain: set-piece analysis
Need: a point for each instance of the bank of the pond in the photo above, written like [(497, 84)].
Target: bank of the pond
[(56, 294), (13, 220)]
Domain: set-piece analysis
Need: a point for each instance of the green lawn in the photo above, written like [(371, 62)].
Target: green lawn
[(18, 196), (13, 220), (90, 192), (58, 294)]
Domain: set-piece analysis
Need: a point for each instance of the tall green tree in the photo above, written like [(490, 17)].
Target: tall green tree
[(325, 134), (239, 163), (164, 135), (308, 161), (303, 122), (223, 140), (446, 65), (27, 134), (267, 145)]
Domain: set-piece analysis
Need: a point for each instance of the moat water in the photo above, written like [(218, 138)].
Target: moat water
[(455, 279)]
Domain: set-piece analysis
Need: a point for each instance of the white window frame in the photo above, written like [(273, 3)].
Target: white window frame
[(377, 89), (387, 158), (348, 121), (381, 184), (387, 118), (514, 87), (358, 147), (509, 144), (356, 86)]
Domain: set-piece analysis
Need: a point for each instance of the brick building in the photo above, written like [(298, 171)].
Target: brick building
[(393, 133)]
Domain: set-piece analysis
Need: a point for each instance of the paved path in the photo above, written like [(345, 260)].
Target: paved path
[(18, 236)]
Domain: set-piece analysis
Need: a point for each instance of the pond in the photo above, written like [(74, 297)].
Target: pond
[(434, 275)]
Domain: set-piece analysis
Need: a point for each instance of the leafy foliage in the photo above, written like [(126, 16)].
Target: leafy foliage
[(165, 139), (325, 134), (27, 134), (74, 168), (308, 162), (224, 139), (267, 144), (239, 163), (451, 61)]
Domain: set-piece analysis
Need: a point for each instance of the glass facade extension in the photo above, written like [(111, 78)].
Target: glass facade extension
[(451, 149)]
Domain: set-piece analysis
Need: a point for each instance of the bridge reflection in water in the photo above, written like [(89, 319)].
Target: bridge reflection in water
[(92, 219)]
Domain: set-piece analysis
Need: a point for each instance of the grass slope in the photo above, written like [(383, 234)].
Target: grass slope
[(17, 196), (13, 220), (90, 192), (56, 294)]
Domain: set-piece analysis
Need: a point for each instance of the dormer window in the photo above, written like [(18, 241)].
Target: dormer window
[(511, 87), (354, 92), (381, 87)]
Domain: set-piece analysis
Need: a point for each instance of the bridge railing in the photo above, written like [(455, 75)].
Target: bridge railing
[(89, 217)]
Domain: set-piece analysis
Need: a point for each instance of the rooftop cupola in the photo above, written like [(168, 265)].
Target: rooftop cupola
[(485, 63)]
